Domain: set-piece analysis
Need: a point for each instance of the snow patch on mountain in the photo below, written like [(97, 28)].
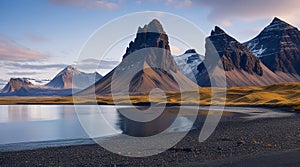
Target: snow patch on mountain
[(188, 63), (38, 81), (257, 51)]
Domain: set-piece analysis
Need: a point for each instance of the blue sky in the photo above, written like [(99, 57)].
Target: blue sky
[(38, 38)]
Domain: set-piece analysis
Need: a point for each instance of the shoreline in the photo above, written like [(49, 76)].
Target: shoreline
[(232, 138)]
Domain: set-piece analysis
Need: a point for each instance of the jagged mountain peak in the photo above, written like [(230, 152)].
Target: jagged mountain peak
[(70, 77), (278, 25), (154, 43), (188, 62), (278, 47), (220, 40), (217, 31), (190, 51), (277, 20), (236, 59), (69, 70), (16, 84), (154, 26), (147, 64), (23, 80), (60, 85), (151, 35)]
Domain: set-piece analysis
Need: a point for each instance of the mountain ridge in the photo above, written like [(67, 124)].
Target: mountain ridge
[(56, 87), (278, 47), (271, 57), (70, 77), (241, 67)]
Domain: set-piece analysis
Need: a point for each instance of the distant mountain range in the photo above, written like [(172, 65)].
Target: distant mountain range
[(60, 85), (271, 57)]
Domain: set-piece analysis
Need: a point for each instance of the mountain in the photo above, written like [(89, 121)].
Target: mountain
[(60, 85), (146, 64), (278, 47), (188, 63), (242, 68), (70, 76), (23, 87), (15, 84)]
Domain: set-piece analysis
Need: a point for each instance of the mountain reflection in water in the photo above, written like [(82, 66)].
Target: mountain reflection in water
[(161, 123)]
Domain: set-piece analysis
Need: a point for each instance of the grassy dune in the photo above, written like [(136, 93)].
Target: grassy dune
[(283, 94), (278, 95)]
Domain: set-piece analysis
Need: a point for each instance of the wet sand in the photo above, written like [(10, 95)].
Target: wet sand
[(235, 142)]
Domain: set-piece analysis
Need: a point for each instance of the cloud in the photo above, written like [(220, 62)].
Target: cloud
[(227, 11), (93, 64), (226, 23), (22, 73), (175, 50), (10, 50), (179, 3), (102, 4), (34, 66)]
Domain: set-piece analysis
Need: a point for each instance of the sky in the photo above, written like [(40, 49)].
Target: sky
[(39, 38)]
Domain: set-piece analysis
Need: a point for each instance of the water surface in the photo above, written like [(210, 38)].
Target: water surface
[(40, 124)]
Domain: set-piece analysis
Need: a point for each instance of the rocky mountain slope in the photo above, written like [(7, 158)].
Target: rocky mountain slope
[(242, 68), (278, 47), (61, 85), (146, 65), (23, 87), (70, 77)]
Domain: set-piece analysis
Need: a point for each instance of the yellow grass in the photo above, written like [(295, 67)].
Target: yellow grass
[(282, 94)]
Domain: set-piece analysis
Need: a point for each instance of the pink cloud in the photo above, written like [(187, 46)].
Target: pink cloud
[(9, 50), (175, 50), (226, 11), (179, 3), (104, 4)]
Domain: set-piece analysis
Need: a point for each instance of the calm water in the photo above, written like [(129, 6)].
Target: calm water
[(38, 123), (31, 123), (27, 123)]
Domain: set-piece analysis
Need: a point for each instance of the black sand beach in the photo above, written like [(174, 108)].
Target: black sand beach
[(236, 142)]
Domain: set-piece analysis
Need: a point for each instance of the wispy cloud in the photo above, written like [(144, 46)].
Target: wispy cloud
[(21, 73), (169, 3), (93, 64), (34, 66), (102, 4), (227, 11), (11, 50), (179, 3)]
